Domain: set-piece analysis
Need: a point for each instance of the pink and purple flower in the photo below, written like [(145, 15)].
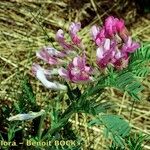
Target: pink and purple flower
[(75, 40), (77, 71), (114, 43), (114, 46)]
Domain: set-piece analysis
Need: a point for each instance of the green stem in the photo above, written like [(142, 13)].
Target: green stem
[(40, 126)]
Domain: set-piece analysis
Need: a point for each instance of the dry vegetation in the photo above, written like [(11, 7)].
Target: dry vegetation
[(22, 31)]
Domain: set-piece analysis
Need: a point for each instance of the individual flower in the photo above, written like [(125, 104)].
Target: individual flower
[(77, 71), (62, 41), (114, 43), (130, 46), (105, 53), (42, 75), (113, 26), (50, 55), (75, 40), (73, 29), (98, 35), (28, 116)]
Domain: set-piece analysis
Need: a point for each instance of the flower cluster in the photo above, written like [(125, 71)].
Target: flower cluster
[(114, 44), (77, 69)]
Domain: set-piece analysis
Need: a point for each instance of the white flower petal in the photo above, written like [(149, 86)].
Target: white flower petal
[(60, 35), (99, 53), (76, 61), (51, 85), (107, 44), (129, 42), (118, 55), (29, 116), (74, 28), (94, 32)]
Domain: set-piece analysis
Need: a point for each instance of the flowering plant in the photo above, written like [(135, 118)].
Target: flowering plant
[(82, 84), (114, 45)]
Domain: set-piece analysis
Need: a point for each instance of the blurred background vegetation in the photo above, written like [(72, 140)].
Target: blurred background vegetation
[(28, 25)]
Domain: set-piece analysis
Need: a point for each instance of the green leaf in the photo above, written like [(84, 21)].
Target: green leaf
[(93, 107), (115, 127), (140, 60), (26, 99), (126, 82)]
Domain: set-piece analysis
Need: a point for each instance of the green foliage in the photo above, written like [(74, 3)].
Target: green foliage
[(86, 102), (135, 142), (26, 100), (114, 147), (73, 94), (115, 127), (93, 107), (12, 129), (125, 81), (128, 83), (140, 61)]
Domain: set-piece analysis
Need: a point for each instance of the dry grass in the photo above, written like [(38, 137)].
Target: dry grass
[(22, 25)]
